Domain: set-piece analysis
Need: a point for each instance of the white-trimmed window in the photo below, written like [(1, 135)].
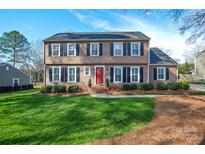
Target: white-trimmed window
[(118, 74), (56, 49), (71, 47), (72, 74), (135, 48), (56, 73), (15, 81), (161, 73), (118, 49), (94, 49), (135, 74), (86, 70)]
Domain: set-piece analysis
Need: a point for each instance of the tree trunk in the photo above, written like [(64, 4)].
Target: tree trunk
[(14, 61)]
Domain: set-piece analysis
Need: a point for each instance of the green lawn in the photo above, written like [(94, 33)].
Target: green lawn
[(27, 118)]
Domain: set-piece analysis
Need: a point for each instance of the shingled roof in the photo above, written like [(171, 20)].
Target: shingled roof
[(157, 56), (84, 36)]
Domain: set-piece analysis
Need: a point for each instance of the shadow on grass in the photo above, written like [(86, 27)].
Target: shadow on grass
[(31, 119)]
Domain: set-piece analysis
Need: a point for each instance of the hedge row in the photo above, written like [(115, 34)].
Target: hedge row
[(158, 86), (59, 89), (15, 88)]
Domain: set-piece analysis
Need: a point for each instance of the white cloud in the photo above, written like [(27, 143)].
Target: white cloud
[(92, 20)]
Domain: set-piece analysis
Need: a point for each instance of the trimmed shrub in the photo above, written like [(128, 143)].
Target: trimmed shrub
[(5, 89), (133, 86), (58, 89), (146, 86), (25, 87), (107, 82), (173, 86), (16, 88), (161, 86), (73, 89), (184, 86), (89, 82), (126, 87), (46, 89)]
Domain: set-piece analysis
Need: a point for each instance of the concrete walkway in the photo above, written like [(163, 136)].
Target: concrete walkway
[(200, 87), (123, 96)]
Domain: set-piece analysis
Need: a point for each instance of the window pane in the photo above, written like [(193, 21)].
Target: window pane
[(72, 74), (94, 49), (135, 74), (71, 49), (161, 73), (118, 48), (118, 75), (135, 48), (55, 49)]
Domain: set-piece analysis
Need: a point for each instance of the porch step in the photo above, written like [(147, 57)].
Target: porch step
[(99, 89)]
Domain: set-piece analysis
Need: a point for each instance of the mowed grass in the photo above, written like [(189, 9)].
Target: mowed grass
[(27, 118)]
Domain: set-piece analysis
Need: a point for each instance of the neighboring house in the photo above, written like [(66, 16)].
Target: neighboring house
[(200, 65), (122, 57), (11, 76)]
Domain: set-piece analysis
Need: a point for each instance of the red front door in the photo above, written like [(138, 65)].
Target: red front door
[(99, 75)]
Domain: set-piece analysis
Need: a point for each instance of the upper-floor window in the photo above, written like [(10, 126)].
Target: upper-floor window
[(87, 71), (56, 49), (161, 72), (118, 74), (135, 48), (94, 49), (71, 74), (71, 49), (135, 74), (56, 74), (118, 49)]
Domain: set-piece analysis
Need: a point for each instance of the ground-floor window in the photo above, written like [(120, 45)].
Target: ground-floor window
[(56, 74), (15, 81), (161, 73), (71, 74), (135, 74), (117, 74), (87, 71)]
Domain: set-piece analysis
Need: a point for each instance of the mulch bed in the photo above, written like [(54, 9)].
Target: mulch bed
[(178, 120), (152, 92), (81, 93)]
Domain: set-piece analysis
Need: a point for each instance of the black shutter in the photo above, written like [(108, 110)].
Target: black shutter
[(141, 49), (111, 74), (111, 49), (101, 49), (78, 74), (167, 73), (62, 74), (88, 49), (61, 50), (128, 49), (124, 49), (77, 49), (124, 74), (128, 74), (155, 73), (50, 74), (49, 50), (141, 74), (65, 49)]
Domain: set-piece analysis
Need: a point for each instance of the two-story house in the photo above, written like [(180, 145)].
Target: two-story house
[(122, 57)]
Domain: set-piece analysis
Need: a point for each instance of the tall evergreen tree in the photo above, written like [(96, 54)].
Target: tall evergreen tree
[(13, 44)]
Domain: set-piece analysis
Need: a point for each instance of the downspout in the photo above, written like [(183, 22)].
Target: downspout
[(148, 65)]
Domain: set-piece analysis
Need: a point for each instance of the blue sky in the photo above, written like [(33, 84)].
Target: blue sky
[(39, 24)]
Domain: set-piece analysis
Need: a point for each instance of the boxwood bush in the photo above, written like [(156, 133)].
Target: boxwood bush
[(173, 86), (73, 88), (46, 89), (146, 86), (125, 87), (184, 86), (161, 86), (58, 89), (133, 86)]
